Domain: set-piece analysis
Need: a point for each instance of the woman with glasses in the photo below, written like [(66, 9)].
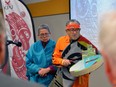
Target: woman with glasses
[(39, 58)]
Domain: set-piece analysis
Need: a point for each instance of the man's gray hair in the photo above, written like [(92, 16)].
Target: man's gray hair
[(107, 35), (72, 20), (2, 26)]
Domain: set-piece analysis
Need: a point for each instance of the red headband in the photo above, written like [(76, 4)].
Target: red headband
[(72, 25)]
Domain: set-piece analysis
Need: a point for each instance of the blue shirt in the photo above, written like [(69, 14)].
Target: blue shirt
[(39, 57)]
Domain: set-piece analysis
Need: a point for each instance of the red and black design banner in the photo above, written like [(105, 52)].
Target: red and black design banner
[(20, 28)]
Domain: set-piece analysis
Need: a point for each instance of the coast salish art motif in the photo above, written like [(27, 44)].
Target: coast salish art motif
[(19, 28)]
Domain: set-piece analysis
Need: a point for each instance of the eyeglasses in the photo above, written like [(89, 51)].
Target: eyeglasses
[(44, 34), (73, 29)]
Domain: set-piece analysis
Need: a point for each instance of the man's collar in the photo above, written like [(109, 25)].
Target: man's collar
[(67, 39)]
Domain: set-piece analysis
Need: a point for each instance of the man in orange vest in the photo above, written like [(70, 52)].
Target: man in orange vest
[(59, 58)]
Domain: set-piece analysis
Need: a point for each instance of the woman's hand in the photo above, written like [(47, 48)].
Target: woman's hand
[(43, 71)]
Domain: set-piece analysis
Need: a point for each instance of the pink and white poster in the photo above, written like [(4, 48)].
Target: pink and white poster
[(19, 26)]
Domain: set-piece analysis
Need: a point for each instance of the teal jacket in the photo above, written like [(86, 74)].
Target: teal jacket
[(38, 57)]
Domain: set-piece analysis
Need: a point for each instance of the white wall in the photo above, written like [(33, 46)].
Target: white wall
[(98, 78), (57, 25), (55, 22)]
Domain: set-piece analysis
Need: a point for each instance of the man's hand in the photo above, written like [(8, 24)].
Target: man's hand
[(66, 62), (43, 71)]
